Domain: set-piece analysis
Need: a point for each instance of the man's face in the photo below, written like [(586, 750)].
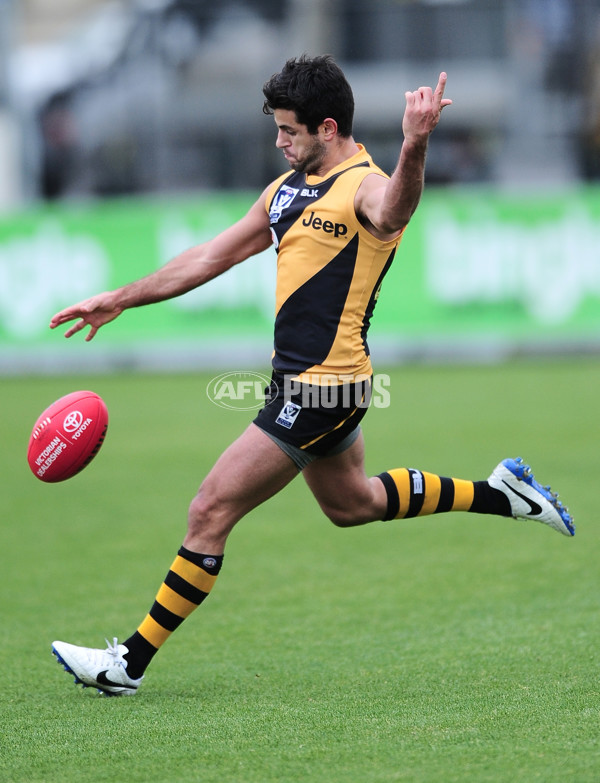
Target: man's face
[(303, 151)]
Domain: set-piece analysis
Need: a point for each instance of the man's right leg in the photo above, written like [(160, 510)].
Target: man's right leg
[(348, 497), (249, 472)]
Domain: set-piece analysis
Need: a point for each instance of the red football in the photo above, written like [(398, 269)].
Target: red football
[(67, 436)]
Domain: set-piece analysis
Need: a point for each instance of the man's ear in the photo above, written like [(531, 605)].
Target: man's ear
[(328, 128)]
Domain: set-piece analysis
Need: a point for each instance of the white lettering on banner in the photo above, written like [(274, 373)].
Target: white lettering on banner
[(247, 285), (548, 266), (44, 271)]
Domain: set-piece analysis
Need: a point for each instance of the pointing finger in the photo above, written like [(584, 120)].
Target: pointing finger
[(441, 85), (439, 91)]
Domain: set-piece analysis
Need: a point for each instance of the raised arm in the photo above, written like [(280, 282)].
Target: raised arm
[(386, 206), (188, 270)]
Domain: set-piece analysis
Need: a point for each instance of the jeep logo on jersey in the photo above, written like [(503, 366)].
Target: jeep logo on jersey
[(337, 229), (283, 198)]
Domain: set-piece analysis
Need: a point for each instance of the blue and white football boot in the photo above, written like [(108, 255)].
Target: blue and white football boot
[(105, 670), (528, 499)]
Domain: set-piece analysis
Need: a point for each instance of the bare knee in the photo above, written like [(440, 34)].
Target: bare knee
[(201, 510), (210, 521)]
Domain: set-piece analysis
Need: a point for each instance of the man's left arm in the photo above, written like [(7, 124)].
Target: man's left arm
[(386, 206)]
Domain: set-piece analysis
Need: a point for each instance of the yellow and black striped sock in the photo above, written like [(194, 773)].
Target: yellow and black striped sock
[(189, 581), (415, 493)]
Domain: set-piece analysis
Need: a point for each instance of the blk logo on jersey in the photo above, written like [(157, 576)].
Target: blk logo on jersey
[(283, 198), (288, 415)]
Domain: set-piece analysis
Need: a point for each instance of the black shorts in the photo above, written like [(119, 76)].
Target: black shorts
[(313, 419)]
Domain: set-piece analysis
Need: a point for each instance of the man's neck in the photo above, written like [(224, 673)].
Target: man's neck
[(337, 153)]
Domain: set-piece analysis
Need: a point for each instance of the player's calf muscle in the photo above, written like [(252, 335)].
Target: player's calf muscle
[(350, 510)]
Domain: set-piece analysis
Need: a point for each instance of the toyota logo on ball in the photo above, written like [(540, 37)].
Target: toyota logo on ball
[(73, 421)]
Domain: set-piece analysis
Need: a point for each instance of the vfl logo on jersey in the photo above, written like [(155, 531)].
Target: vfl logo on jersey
[(288, 415), (283, 198)]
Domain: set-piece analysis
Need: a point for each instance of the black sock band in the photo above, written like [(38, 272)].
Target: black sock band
[(489, 500), (209, 563), (393, 498), (139, 656)]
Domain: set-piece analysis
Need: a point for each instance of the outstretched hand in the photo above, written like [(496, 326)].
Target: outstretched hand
[(93, 312), (423, 110)]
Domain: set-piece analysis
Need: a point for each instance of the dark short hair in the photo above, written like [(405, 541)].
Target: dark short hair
[(314, 88)]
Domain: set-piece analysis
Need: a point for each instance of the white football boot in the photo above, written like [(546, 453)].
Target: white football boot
[(528, 499), (102, 669)]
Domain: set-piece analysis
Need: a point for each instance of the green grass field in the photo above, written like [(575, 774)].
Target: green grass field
[(452, 648)]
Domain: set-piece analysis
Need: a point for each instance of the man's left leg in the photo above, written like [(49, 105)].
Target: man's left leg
[(250, 471)]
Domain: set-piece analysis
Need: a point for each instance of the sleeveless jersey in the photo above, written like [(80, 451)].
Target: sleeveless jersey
[(329, 272)]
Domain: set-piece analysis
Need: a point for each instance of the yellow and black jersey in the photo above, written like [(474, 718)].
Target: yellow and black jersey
[(329, 271)]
